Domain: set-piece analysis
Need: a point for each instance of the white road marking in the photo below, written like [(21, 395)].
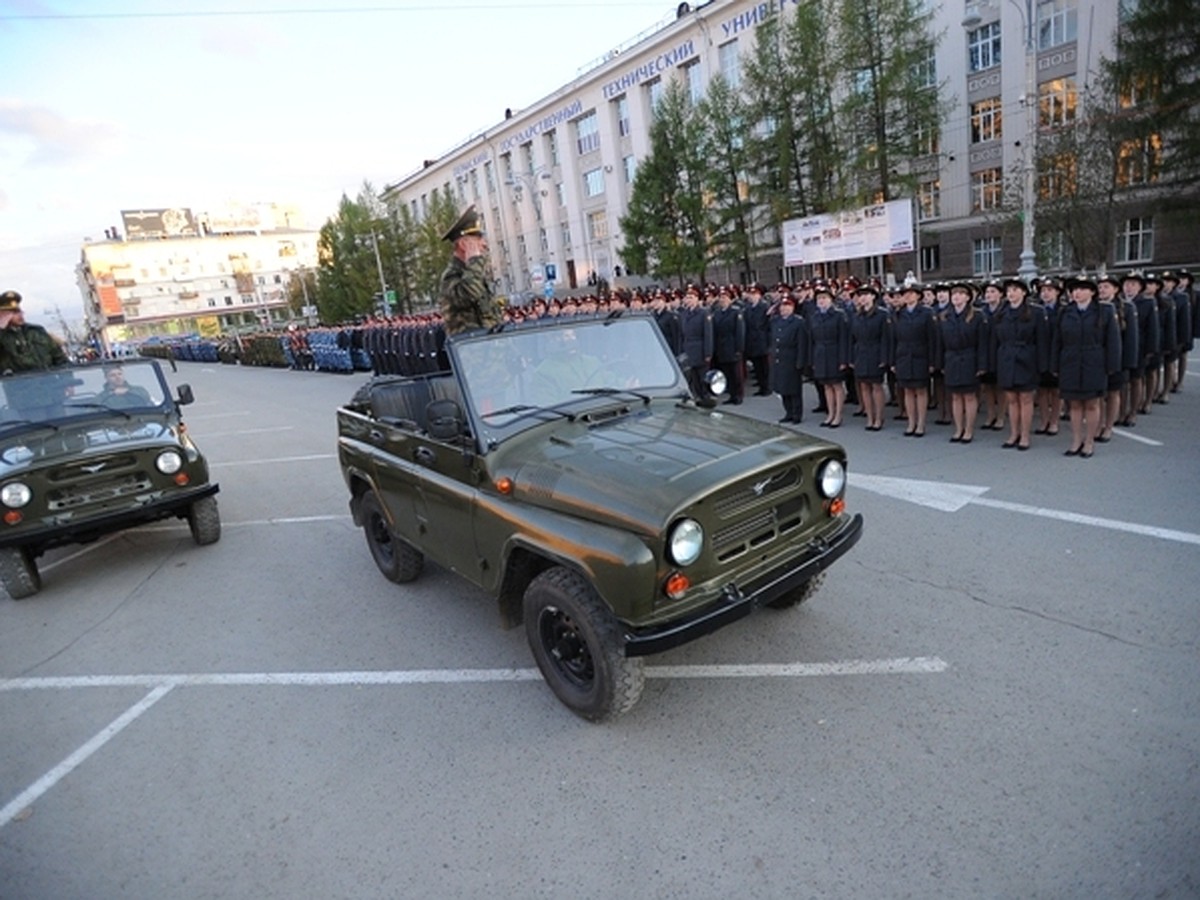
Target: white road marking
[(270, 462), (211, 434), (14, 807), (947, 497), (161, 685), (1137, 437)]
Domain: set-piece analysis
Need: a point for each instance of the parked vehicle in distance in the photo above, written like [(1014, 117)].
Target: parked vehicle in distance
[(89, 450), (567, 469)]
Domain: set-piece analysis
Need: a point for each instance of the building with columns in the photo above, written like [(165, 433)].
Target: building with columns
[(552, 180)]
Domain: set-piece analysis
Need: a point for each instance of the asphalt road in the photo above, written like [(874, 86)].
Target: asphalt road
[(994, 695)]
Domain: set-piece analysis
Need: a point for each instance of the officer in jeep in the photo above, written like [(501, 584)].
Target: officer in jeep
[(466, 291)]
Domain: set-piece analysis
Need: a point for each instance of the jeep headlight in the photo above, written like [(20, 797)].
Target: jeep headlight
[(685, 542), (169, 462), (716, 382), (15, 494), (831, 478)]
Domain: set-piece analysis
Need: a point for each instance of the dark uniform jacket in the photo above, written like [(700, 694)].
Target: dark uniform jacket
[(758, 329), (828, 344), (1020, 346), (668, 323), (1147, 319), (1184, 338), (789, 354), (696, 332), (914, 345), (27, 347), (871, 343), (729, 335), (1087, 349), (963, 347), (1167, 343)]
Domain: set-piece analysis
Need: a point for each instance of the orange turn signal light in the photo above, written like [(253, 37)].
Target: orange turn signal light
[(13, 517), (181, 478), (837, 506), (676, 585), (505, 485)]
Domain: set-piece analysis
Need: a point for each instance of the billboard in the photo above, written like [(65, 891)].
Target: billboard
[(875, 230), (159, 223)]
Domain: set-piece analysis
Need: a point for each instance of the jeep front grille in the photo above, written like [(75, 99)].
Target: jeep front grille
[(753, 493), (758, 530), (91, 492)]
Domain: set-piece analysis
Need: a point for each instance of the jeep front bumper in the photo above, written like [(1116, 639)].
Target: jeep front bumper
[(741, 600)]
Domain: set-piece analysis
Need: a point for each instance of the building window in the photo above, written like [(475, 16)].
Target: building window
[(597, 223), (986, 190), (561, 192), (1057, 102), (654, 93), (630, 168), (925, 69), (986, 120), (543, 240), (527, 157), (565, 236), (730, 62), (552, 147), (986, 256), (212, 301), (691, 73), (1138, 161), (622, 106), (929, 200), (1054, 250), (229, 301), (983, 47), (593, 183), (931, 258), (1057, 176), (929, 139), (521, 251), (587, 133), (1135, 240), (1057, 21)]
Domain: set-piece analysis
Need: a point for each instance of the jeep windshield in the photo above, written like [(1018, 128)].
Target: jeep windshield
[(516, 379), (52, 399)]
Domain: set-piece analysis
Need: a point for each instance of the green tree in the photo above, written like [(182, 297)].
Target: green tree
[(1155, 81), (666, 227), (727, 181)]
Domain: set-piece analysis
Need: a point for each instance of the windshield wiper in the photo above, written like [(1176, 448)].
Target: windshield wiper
[(20, 423), (609, 391), (103, 406), (526, 408)]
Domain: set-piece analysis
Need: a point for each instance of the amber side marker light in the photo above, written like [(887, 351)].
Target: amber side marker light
[(505, 485), (12, 517), (676, 585), (837, 506), (181, 478)]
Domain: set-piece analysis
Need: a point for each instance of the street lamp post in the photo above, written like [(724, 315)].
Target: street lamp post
[(383, 296), (1027, 268)]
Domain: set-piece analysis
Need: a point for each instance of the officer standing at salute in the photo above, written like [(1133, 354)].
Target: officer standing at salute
[(24, 347), (466, 292)]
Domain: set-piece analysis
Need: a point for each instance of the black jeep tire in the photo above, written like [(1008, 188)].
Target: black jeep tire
[(19, 573), (577, 645), (398, 560), (796, 596), (204, 520)]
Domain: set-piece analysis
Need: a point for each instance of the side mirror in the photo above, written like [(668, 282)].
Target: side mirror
[(184, 395)]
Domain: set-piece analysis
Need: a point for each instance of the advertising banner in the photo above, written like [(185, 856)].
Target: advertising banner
[(875, 230), (159, 223)]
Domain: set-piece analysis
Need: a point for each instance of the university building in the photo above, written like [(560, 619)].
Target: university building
[(553, 180), (171, 273)]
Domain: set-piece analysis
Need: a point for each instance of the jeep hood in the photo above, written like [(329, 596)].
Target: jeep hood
[(42, 445), (640, 470)]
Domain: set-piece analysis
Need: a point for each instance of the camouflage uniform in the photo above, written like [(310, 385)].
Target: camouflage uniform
[(27, 347), (466, 296)]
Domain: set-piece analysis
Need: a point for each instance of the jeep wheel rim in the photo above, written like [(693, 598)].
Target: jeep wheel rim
[(381, 538), (566, 646)]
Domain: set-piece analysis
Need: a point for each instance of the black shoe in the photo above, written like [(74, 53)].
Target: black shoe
[(786, 419), (1008, 445), (861, 412)]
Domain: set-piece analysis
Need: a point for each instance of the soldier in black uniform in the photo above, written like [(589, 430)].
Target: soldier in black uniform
[(758, 338), (789, 358), (729, 342)]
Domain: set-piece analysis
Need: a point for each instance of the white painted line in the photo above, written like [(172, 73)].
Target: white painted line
[(270, 462), (1166, 534), (1150, 442), (181, 526), (211, 434), (22, 801), (903, 666), (86, 548)]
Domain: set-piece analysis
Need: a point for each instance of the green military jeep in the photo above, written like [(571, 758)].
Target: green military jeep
[(90, 450), (568, 470)]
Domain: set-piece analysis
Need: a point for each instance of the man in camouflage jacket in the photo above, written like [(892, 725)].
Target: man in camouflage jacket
[(23, 346), (466, 291)]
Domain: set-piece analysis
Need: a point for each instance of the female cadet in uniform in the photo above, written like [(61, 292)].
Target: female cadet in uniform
[(1157, 381), (870, 345), (1020, 353), (1116, 404), (1048, 402), (1086, 350), (829, 353), (1134, 288), (993, 297), (914, 346), (789, 357), (963, 352)]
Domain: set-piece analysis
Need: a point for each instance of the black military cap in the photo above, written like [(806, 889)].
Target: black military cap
[(1051, 282), (1081, 280), (912, 286), (963, 286), (1019, 282), (1112, 279), (867, 288), (1152, 278), (468, 223), (10, 300), (1134, 276)]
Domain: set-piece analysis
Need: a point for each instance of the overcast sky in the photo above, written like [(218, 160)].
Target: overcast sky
[(123, 104)]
